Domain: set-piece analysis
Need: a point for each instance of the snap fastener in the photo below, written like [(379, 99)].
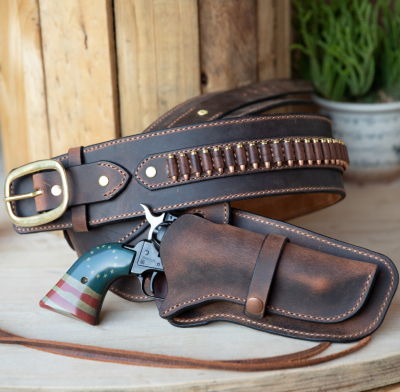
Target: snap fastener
[(151, 172), (254, 305), (103, 181), (56, 190), (202, 112)]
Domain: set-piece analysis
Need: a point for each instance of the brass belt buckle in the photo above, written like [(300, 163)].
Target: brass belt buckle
[(45, 217)]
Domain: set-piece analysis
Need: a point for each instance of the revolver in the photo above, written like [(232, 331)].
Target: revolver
[(81, 291)]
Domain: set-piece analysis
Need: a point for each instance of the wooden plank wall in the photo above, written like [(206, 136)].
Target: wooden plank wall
[(79, 72)]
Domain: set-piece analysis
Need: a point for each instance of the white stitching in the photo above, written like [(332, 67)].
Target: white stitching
[(225, 213), (252, 322), (180, 117), (220, 198), (119, 171), (333, 317), (203, 297), (127, 295), (206, 125), (281, 310), (249, 169), (169, 113), (131, 232), (198, 212), (65, 226), (214, 116)]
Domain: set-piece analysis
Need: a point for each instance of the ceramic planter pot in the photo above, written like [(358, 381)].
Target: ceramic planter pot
[(372, 135)]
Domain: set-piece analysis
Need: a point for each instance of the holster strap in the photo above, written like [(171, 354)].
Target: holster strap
[(264, 270)]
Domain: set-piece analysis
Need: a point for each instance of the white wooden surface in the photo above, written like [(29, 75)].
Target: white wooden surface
[(30, 265)]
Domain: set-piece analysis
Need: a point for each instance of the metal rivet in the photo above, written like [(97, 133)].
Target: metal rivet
[(202, 112), (103, 181), (254, 305), (84, 280), (151, 172), (56, 190)]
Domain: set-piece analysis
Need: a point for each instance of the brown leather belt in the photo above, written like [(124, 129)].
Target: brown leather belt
[(217, 157)]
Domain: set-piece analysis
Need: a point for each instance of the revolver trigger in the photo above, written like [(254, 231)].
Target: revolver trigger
[(153, 275)]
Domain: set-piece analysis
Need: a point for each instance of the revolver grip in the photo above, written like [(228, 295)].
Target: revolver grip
[(81, 291)]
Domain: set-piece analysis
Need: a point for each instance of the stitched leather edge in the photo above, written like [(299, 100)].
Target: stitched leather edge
[(270, 326), (226, 197), (127, 295), (170, 112), (124, 175), (132, 232), (281, 310), (180, 117), (199, 126), (223, 145)]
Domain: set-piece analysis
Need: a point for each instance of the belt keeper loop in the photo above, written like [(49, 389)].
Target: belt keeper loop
[(79, 213)]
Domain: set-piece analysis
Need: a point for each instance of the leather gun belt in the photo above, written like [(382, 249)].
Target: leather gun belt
[(219, 157), (289, 163), (206, 155)]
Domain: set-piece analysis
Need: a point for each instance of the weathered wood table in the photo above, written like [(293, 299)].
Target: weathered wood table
[(31, 265)]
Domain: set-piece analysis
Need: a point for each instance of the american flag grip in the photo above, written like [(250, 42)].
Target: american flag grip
[(81, 291)]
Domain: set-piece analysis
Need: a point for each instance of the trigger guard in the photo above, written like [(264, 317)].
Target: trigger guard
[(142, 281)]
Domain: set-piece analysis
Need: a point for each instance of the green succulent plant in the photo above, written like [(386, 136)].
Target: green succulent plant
[(348, 49), (389, 68)]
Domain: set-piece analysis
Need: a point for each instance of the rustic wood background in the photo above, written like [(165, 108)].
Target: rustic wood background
[(79, 72)]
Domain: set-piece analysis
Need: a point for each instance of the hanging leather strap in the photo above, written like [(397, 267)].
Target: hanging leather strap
[(295, 360)]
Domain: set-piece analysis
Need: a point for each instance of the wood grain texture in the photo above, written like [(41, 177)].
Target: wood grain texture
[(80, 71), (37, 126), (283, 35), (36, 262), (158, 58), (228, 43), (266, 42), (12, 92), (274, 36), (23, 112)]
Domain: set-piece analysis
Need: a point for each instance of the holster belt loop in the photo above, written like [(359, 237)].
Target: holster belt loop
[(263, 274)]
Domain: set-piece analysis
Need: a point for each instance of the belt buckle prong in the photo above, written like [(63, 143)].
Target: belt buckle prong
[(45, 217)]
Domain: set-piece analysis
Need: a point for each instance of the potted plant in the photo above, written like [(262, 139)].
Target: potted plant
[(350, 51)]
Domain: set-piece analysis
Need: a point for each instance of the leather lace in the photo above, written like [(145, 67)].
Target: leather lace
[(290, 361)]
